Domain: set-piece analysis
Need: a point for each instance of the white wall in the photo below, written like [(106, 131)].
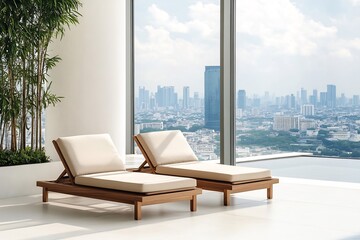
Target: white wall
[(91, 76)]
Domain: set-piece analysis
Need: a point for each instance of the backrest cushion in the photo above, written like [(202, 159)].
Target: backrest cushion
[(166, 147), (88, 154)]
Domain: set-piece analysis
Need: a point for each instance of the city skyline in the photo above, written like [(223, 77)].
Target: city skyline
[(319, 97), (293, 125)]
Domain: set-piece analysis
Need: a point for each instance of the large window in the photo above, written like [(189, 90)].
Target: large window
[(297, 68), (298, 77), (177, 72)]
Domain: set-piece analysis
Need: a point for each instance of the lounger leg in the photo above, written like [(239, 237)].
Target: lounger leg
[(270, 192), (137, 210), (227, 197), (45, 195), (193, 204)]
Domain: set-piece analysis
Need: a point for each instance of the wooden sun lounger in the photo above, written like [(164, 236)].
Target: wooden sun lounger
[(213, 185), (66, 184)]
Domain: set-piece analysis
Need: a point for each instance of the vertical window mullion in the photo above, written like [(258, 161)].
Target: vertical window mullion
[(227, 88), (129, 76)]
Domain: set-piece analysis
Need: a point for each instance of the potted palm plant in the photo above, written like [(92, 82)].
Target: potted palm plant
[(27, 27)]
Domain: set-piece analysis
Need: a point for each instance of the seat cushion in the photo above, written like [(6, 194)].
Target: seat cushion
[(213, 171), (166, 147), (135, 181), (88, 154)]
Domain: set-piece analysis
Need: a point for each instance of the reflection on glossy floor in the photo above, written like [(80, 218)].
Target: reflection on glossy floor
[(301, 209)]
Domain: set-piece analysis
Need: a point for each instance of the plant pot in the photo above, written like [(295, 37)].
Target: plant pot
[(21, 180)]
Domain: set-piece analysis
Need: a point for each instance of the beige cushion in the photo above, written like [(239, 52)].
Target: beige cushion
[(88, 154), (213, 171), (166, 147), (135, 181)]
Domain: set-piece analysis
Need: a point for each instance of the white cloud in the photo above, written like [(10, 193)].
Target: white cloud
[(205, 19), (174, 51), (344, 48), (281, 25), (355, 2), (341, 53), (163, 18), (355, 43)]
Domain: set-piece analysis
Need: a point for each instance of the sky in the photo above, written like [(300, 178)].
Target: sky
[(281, 47)]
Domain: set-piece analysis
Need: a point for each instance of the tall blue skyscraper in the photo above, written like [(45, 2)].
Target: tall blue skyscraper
[(241, 99), (331, 96), (212, 97)]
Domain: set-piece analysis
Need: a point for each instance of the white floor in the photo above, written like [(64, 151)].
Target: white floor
[(301, 209)]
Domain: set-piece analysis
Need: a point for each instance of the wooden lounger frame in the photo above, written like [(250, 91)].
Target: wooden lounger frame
[(66, 184), (213, 185)]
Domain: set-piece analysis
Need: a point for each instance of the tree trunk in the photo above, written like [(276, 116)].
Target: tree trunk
[(32, 110), (2, 128), (23, 110), (38, 99), (13, 141), (3, 134)]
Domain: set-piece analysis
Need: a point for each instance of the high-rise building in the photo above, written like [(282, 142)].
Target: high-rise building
[(331, 96), (186, 97), (241, 99), (308, 110), (266, 101), (152, 101), (323, 98), (212, 97), (256, 102), (166, 96), (355, 100), (292, 101), (303, 96), (197, 100), (315, 97), (278, 101), (343, 100), (285, 123), (144, 99), (287, 101)]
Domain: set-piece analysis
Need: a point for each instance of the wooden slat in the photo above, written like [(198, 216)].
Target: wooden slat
[(254, 185), (170, 197), (61, 176), (91, 192), (147, 159), (62, 158), (229, 188), (213, 185)]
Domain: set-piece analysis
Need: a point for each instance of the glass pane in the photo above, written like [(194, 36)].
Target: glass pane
[(177, 73), (298, 77)]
